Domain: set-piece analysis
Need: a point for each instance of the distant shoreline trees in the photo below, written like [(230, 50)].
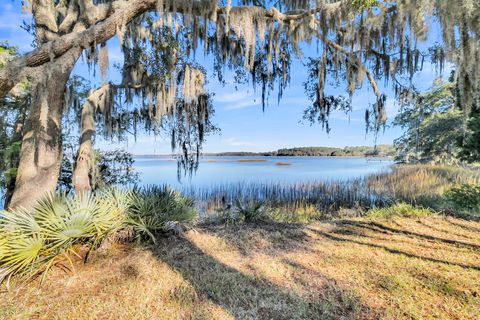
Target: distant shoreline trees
[(383, 150)]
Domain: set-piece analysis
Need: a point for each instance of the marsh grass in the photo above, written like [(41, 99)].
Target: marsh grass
[(398, 262), (421, 185), (283, 163), (321, 197)]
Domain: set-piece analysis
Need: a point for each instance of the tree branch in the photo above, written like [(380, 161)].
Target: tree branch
[(350, 56), (108, 19)]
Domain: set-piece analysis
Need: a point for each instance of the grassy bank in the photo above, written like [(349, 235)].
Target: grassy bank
[(391, 246), (418, 185), (404, 268)]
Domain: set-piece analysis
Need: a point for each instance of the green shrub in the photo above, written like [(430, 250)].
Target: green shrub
[(250, 211), (465, 197), (156, 207), (226, 216), (398, 210), (34, 240)]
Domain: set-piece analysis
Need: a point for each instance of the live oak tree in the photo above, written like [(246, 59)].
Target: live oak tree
[(433, 126), (359, 41), (436, 129), (471, 143)]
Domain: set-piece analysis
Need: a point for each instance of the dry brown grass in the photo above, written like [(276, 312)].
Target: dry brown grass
[(422, 268)]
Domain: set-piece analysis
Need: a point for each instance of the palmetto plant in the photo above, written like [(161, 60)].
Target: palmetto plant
[(156, 206), (250, 211), (32, 241)]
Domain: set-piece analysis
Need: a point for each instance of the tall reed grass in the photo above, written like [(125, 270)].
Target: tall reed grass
[(325, 196), (418, 185), (421, 185)]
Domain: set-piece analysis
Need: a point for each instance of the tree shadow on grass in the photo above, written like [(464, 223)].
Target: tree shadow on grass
[(276, 237), (391, 250), (443, 230), (461, 225), (378, 227), (379, 235), (250, 296)]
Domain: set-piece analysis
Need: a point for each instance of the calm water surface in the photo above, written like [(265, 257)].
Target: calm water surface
[(222, 170)]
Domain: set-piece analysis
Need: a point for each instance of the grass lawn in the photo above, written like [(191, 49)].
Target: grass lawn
[(403, 268)]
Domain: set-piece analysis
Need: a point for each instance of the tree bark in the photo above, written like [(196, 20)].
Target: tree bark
[(41, 153), (82, 174)]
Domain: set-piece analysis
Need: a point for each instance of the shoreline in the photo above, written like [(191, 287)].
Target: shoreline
[(205, 157)]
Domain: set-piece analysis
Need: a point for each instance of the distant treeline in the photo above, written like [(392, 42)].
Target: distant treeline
[(363, 151)]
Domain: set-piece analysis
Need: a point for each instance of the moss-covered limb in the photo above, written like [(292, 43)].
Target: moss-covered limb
[(84, 163), (84, 38), (103, 23), (352, 58), (183, 106), (353, 25)]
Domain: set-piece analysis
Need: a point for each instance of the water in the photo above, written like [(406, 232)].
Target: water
[(235, 170), (298, 178)]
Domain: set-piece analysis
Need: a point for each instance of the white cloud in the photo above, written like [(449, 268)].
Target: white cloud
[(392, 107), (237, 100), (242, 105), (295, 101), (232, 96)]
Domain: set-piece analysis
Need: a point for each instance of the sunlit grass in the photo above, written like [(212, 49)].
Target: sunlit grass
[(399, 210), (386, 254), (401, 268)]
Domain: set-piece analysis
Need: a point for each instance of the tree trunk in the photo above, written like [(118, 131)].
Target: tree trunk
[(82, 174), (41, 153)]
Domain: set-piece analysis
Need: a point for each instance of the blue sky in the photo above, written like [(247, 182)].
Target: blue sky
[(238, 113)]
